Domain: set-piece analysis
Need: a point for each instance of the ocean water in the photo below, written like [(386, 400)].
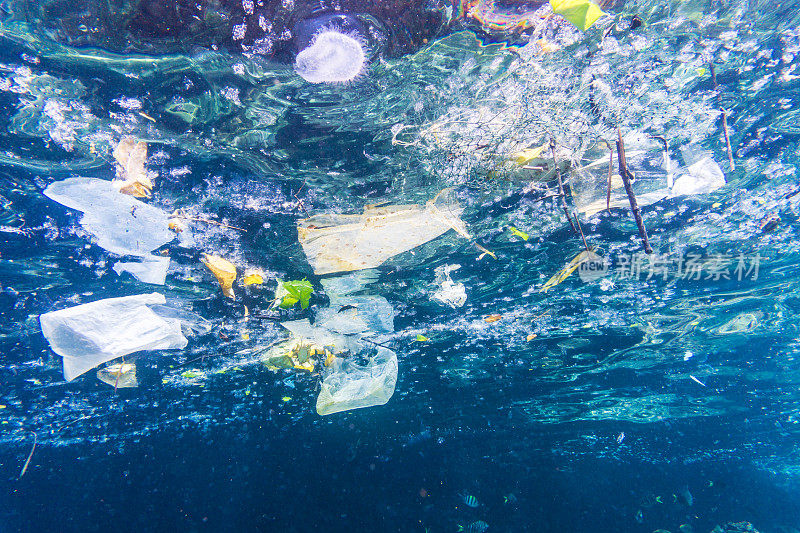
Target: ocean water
[(641, 392)]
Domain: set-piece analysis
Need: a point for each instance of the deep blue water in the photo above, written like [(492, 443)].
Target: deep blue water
[(646, 399)]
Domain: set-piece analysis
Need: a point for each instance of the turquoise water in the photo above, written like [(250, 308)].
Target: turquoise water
[(659, 393)]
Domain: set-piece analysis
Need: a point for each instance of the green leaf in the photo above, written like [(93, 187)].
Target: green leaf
[(517, 233), (422, 338), (581, 13), (291, 292)]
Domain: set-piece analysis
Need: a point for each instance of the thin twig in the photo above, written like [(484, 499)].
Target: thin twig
[(724, 119), (578, 222), (610, 173), (30, 455), (626, 180), (560, 183), (116, 381)]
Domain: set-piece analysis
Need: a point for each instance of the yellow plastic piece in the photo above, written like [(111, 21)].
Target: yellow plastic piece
[(223, 270), (580, 13)]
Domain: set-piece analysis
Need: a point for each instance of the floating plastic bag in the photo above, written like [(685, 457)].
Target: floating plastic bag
[(449, 293), (122, 224), (119, 376), (90, 334), (702, 175), (645, 158), (350, 315), (152, 269), (353, 386), (341, 243), (132, 176), (320, 336)]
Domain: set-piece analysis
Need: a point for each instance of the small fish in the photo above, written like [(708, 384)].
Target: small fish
[(479, 526), (510, 498), (639, 516), (659, 500), (469, 500), (620, 437)]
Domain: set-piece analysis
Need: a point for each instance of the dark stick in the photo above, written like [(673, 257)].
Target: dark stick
[(578, 222), (626, 179), (561, 184)]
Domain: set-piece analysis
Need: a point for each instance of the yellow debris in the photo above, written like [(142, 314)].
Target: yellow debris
[(177, 225), (119, 376), (132, 177), (252, 277), (223, 270), (569, 268), (524, 157), (530, 337), (581, 13), (492, 318)]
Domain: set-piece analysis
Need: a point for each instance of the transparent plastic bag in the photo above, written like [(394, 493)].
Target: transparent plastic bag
[(449, 293), (342, 243), (90, 334), (353, 386)]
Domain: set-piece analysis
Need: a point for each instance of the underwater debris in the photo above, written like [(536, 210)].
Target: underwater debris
[(119, 375), (252, 277), (90, 334), (449, 293), (626, 180), (349, 385), (332, 57), (492, 318), (151, 269), (296, 353), (702, 174), (122, 224), (585, 256), (342, 243), (290, 293), (30, 456), (580, 13), (132, 177), (517, 233), (223, 270)]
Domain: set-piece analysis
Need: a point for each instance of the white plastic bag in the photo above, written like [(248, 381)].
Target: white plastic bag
[(122, 224), (90, 334)]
